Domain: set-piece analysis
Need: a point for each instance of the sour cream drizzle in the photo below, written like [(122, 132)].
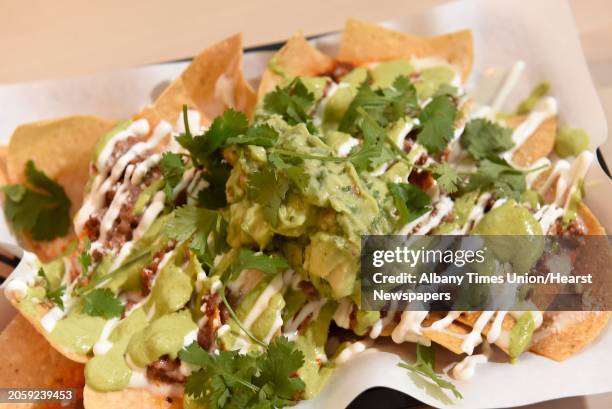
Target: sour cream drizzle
[(425, 223), (350, 351), (409, 328), (531, 124), (103, 345), (262, 302), (23, 277), (103, 182), (311, 309), (342, 316), (466, 368)]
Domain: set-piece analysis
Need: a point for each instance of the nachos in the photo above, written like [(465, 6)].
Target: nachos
[(205, 253)]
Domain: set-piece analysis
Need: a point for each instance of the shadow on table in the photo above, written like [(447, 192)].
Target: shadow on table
[(384, 398)]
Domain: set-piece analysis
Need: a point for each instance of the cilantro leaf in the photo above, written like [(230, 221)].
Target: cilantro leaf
[(219, 376), (483, 138), (410, 201), (39, 207), (248, 259), (204, 152), (424, 366), (172, 167), (213, 197), (292, 102), (55, 296), (437, 124), (370, 150), (260, 135), (267, 188), (447, 177), (495, 174), (101, 302), (202, 147), (290, 167), (277, 366), (195, 224), (233, 380), (387, 155), (373, 141), (383, 105)]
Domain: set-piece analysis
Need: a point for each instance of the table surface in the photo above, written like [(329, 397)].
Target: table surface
[(39, 42)]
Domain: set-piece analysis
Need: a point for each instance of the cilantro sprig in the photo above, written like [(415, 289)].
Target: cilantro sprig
[(203, 148), (248, 259), (101, 302), (205, 151), (268, 188), (437, 124), (384, 105), (424, 366), (202, 228), (293, 102), (483, 138), (53, 295), (369, 151), (39, 207), (172, 168), (234, 380), (497, 175), (410, 201), (260, 135), (493, 174), (447, 177)]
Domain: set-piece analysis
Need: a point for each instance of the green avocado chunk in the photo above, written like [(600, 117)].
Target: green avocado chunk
[(431, 79), (333, 259), (263, 324), (110, 372), (571, 142), (462, 208), (312, 344), (385, 73), (526, 244), (172, 290), (365, 319), (101, 143), (78, 332), (339, 101), (520, 335), (163, 336)]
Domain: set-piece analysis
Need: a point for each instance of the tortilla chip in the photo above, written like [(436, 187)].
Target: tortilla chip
[(470, 319), (538, 145), (451, 338), (34, 320), (211, 83), (128, 398), (297, 57), (62, 149), (593, 226), (364, 43), (34, 364), (564, 333)]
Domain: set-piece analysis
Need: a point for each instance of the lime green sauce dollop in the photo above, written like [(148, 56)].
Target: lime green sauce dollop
[(571, 142)]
